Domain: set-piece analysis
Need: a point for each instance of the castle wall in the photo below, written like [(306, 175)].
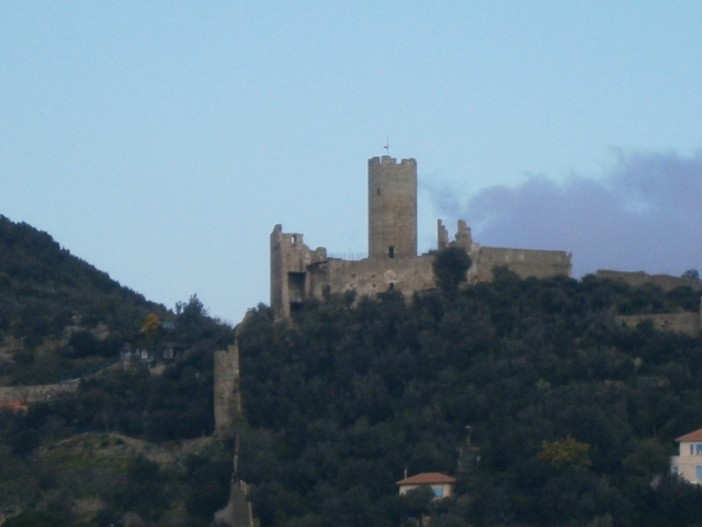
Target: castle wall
[(665, 282), (35, 393), (290, 263), (524, 262), (369, 277), (299, 273), (392, 207), (687, 323), (227, 403)]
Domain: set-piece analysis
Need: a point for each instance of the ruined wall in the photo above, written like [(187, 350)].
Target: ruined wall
[(290, 263), (369, 277), (463, 238), (665, 282), (524, 262), (299, 273), (227, 402), (687, 323), (34, 393), (392, 207)]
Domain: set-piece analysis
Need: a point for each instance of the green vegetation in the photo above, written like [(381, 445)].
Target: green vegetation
[(450, 267), (572, 417), (60, 317), (130, 440)]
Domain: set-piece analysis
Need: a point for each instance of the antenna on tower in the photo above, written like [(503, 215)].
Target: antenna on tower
[(387, 145)]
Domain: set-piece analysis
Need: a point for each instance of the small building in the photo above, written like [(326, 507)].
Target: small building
[(441, 484), (688, 464)]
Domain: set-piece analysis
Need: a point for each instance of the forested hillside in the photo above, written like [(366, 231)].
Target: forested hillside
[(572, 417), (48, 295), (133, 439)]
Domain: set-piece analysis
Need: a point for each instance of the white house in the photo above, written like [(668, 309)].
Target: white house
[(688, 464), (441, 484)]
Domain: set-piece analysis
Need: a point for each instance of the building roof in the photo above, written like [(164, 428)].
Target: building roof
[(427, 478), (692, 436), (14, 406)]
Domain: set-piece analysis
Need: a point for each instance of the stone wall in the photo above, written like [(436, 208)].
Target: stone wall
[(687, 323), (665, 282), (227, 402), (299, 273), (35, 393), (292, 261), (369, 277), (524, 262)]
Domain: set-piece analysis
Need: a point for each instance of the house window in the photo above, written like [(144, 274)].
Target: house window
[(698, 473), (698, 450), (674, 470), (438, 491)]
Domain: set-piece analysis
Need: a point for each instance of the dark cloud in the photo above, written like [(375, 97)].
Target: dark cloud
[(643, 214)]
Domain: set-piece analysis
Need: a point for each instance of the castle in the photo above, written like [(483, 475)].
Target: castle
[(299, 273)]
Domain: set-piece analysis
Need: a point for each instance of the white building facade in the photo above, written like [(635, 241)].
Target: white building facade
[(688, 464)]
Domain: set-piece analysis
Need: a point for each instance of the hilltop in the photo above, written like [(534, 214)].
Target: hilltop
[(131, 436), (572, 415), (50, 297), (572, 412)]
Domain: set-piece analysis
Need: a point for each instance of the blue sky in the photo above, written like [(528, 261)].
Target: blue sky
[(162, 141)]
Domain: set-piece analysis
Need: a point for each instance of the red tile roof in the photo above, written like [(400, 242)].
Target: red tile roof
[(692, 436), (427, 478), (14, 406)]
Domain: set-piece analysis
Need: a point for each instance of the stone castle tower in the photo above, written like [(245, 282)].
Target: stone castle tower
[(300, 273), (392, 207)]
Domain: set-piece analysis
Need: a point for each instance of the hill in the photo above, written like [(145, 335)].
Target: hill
[(572, 417), (49, 295), (131, 437)]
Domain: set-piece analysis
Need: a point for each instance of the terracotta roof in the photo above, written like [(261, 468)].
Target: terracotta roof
[(14, 406), (692, 436), (427, 478)]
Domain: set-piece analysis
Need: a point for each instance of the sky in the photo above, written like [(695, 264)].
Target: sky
[(162, 141)]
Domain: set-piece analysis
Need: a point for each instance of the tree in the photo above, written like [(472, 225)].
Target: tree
[(417, 503), (565, 452), (151, 325), (691, 274), (450, 268)]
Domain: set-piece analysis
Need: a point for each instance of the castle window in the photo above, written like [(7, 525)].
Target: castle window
[(293, 239), (391, 251), (377, 191), (296, 286)]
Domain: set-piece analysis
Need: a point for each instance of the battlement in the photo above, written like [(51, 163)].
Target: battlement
[(391, 161), (300, 273)]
